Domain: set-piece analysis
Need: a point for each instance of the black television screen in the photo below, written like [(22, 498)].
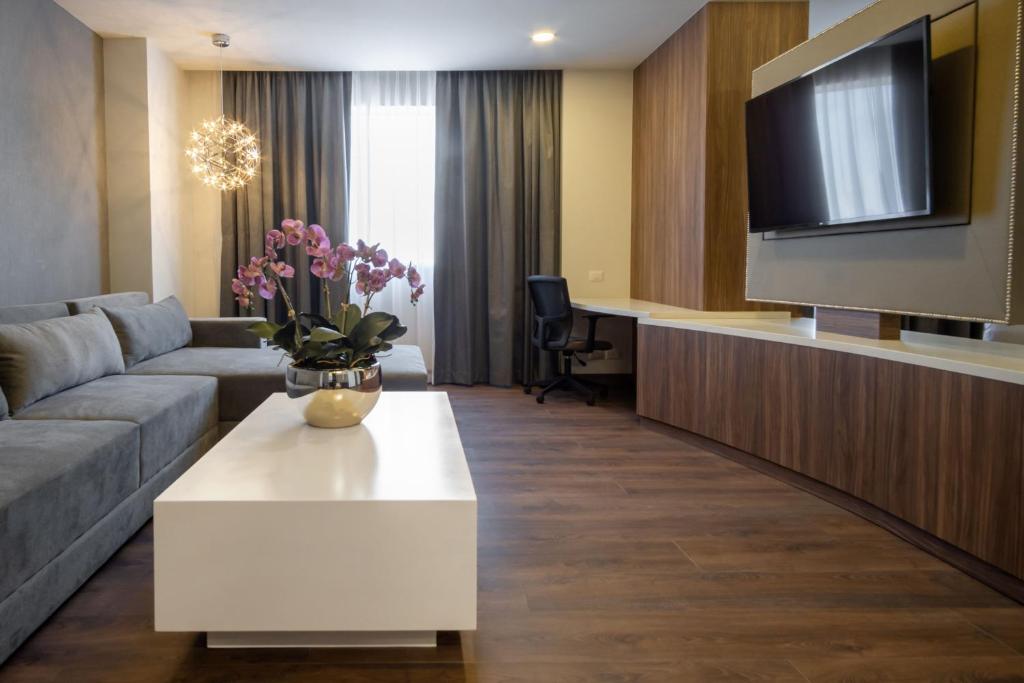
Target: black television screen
[(847, 143)]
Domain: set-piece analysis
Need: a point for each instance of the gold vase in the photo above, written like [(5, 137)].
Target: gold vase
[(334, 398)]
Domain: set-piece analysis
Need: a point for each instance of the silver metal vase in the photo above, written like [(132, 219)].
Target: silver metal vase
[(334, 398)]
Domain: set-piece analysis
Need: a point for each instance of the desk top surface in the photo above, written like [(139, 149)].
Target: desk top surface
[(638, 308), (407, 449), (991, 360)]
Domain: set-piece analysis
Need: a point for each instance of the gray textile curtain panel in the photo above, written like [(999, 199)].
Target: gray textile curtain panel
[(496, 219), (302, 122)]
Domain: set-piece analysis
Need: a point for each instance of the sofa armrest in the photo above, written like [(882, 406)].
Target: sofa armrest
[(225, 332)]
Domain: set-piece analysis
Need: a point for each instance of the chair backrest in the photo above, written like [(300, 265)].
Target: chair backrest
[(552, 311)]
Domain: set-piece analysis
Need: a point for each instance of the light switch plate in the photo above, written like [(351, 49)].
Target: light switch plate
[(597, 276)]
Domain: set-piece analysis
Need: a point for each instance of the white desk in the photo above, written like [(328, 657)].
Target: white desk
[(639, 309), (285, 535)]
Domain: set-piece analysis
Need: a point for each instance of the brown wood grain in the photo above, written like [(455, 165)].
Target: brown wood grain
[(610, 548), (857, 323), (689, 200), (742, 37), (941, 450), (669, 117)]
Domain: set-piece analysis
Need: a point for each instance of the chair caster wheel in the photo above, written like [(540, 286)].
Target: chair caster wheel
[(540, 399), (527, 390), (591, 401)]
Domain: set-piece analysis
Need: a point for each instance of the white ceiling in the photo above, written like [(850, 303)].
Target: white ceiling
[(393, 34)]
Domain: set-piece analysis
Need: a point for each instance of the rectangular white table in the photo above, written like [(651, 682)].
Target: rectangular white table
[(288, 535)]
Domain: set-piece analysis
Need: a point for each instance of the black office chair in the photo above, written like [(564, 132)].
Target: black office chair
[(552, 331)]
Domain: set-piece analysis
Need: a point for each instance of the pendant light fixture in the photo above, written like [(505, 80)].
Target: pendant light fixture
[(223, 153)]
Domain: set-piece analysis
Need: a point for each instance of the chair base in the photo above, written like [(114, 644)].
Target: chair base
[(566, 380)]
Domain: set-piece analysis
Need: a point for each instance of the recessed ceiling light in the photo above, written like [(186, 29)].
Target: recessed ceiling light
[(543, 36)]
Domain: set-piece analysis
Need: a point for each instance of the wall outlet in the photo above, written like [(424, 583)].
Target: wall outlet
[(611, 354), (597, 276)]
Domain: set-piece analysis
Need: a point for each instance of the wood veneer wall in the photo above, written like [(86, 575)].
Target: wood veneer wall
[(940, 450), (689, 162)]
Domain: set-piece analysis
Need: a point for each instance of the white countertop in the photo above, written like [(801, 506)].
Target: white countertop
[(991, 360), (638, 308), (407, 449)]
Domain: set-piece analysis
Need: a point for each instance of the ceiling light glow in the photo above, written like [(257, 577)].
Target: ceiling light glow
[(543, 36)]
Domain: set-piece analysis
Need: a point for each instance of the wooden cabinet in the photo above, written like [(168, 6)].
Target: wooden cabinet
[(940, 450)]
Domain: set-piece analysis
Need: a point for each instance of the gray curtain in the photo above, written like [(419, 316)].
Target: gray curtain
[(496, 219), (302, 122)]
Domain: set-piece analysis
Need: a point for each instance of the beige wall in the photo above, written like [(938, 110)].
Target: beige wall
[(151, 106), (169, 201), (827, 13), (597, 138), (597, 124), (202, 227)]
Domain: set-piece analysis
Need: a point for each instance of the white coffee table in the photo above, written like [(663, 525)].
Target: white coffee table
[(287, 535)]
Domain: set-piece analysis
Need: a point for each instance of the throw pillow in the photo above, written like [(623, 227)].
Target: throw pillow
[(151, 330), (42, 358)]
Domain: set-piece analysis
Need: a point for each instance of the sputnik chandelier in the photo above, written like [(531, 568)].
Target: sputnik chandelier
[(224, 154)]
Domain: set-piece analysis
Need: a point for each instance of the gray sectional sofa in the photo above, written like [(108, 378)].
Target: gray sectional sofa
[(79, 468)]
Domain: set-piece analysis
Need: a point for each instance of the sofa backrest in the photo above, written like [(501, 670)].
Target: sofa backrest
[(32, 313), (120, 299)]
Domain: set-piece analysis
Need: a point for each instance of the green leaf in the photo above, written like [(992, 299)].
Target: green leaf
[(324, 334), (370, 328), (352, 318), (264, 329)]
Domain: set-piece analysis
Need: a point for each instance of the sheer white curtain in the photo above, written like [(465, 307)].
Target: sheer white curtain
[(392, 186)]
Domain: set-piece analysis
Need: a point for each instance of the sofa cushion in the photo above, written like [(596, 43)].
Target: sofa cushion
[(150, 330), (118, 300), (41, 358), (32, 313), (246, 377), (402, 369), (172, 412), (57, 479)]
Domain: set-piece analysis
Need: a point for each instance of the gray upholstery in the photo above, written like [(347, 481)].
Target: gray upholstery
[(402, 369), (150, 330), (39, 359), (57, 479), (172, 412), (5, 410), (121, 299), (245, 377), (225, 332), (35, 600), (32, 313)]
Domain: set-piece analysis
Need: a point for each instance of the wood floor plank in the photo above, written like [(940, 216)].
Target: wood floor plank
[(608, 551)]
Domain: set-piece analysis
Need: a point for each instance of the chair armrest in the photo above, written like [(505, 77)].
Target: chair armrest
[(592, 319), (225, 332)]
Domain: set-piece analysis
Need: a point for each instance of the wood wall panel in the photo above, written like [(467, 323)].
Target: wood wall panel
[(689, 160), (940, 450), (669, 113), (742, 37)]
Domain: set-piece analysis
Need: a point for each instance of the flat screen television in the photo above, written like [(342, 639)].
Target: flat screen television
[(848, 143)]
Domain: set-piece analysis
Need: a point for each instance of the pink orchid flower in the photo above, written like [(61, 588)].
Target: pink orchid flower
[(378, 280), (363, 251), (294, 232), (317, 242), (252, 271), (413, 276), (397, 268), (416, 294), (275, 239), (379, 258), (266, 288), (346, 252), (282, 269)]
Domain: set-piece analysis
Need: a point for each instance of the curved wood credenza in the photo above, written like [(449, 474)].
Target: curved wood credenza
[(928, 430)]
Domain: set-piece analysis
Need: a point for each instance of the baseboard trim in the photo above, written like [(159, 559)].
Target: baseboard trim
[(991, 576)]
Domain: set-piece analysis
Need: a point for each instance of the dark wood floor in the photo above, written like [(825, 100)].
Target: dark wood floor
[(609, 551)]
